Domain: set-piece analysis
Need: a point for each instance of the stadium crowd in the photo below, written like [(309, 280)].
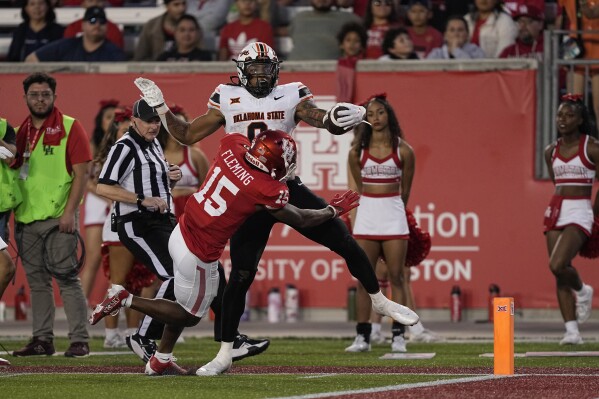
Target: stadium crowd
[(297, 29)]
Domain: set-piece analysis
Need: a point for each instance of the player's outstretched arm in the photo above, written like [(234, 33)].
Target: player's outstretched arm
[(184, 132), (302, 218)]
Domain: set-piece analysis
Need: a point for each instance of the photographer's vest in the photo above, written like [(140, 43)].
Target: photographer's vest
[(48, 184), (10, 195)]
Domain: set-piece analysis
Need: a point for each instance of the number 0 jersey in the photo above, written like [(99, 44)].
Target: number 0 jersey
[(249, 115), (229, 195)]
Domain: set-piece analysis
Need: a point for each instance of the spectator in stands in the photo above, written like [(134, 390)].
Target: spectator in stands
[(37, 29), (86, 3), (352, 41), (491, 28), (589, 21), (91, 47), (158, 34), (443, 9), (512, 6), (424, 36), (311, 30), (212, 16), (381, 15), (529, 43), (113, 33), (188, 39), (248, 28), (456, 44), (397, 45)]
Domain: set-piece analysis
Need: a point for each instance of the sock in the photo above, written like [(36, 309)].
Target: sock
[(397, 329), (376, 328), (417, 328), (225, 351), (127, 301), (163, 357), (378, 298), (581, 290), (131, 331), (364, 329), (572, 327), (114, 288), (111, 333)]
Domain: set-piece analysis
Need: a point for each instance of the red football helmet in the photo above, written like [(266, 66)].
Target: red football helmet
[(274, 152)]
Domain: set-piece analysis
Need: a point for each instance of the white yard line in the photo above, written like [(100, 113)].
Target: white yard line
[(397, 387)]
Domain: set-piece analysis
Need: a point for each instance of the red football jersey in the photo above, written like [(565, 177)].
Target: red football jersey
[(229, 195)]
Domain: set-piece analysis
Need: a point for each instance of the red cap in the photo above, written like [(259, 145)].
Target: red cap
[(533, 12)]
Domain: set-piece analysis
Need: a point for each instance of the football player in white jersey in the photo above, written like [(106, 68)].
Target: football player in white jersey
[(253, 104)]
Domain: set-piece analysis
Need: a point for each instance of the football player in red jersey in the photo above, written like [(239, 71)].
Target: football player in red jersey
[(253, 104), (239, 183)]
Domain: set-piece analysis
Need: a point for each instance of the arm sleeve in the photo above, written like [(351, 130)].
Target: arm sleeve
[(10, 136), (51, 51), (78, 150), (16, 45), (275, 196), (214, 100)]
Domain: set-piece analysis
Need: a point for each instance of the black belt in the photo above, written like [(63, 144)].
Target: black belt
[(142, 215)]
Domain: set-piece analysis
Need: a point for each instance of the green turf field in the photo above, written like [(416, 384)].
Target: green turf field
[(322, 366)]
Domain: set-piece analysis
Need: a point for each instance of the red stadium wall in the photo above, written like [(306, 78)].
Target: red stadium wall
[(474, 188)]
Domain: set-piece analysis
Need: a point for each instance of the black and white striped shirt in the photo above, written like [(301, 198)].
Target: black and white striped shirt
[(137, 166)]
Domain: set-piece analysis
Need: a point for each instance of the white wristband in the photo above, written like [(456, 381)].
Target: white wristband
[(335, 213), (162, 109)]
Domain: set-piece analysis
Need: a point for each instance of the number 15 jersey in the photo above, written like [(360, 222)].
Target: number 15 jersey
[(249, 115), (230, 193)]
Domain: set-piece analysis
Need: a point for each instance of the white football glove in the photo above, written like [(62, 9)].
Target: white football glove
[(350, 117), (152, 95), (5, 153)]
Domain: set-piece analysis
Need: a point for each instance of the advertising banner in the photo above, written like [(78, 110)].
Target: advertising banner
[(474, 188)]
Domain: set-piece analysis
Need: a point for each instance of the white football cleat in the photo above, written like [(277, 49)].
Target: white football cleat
[(215, 367), (399, 313)]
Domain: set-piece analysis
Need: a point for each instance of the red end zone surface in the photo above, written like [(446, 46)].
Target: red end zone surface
[(475, 383)]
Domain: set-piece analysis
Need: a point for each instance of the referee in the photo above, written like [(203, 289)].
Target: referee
[(137, 177)]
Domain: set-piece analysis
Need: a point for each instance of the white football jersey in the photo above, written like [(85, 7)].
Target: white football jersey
[(249, 115)]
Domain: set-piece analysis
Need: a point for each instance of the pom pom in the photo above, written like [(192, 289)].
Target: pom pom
[(419, 244), (590, 249), (138, 277)]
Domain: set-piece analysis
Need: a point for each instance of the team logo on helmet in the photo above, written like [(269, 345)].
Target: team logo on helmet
[(274, 152)]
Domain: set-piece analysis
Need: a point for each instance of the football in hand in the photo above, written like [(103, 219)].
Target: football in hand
[(331, 123)]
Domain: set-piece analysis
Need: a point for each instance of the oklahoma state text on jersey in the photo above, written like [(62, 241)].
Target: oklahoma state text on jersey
[(249, 115), (230, 194)]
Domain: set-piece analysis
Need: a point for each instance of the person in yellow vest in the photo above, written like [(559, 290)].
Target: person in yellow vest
[(8, 200), (9, 195), (53, 157)]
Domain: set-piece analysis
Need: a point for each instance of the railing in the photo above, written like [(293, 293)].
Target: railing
[(550, 90)]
